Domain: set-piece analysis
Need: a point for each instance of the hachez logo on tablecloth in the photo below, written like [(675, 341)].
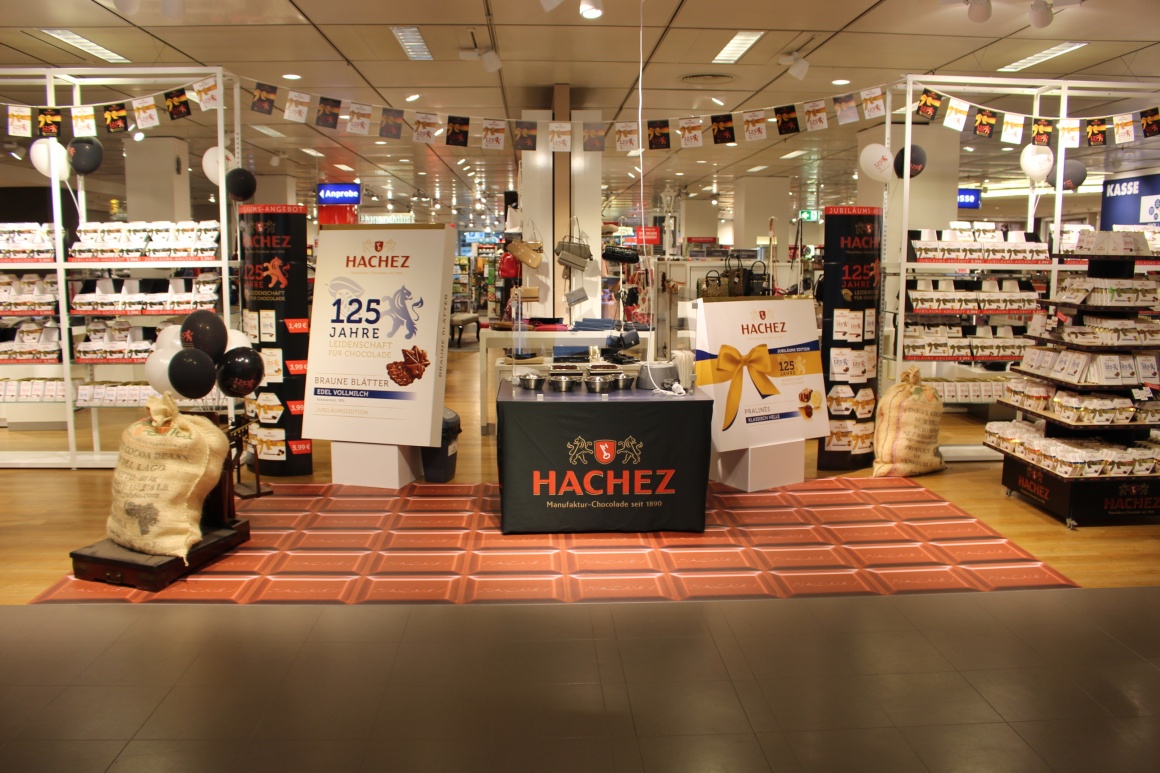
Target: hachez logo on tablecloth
[(597, 482)]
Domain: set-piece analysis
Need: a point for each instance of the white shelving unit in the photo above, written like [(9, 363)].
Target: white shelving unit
[(76, 80)]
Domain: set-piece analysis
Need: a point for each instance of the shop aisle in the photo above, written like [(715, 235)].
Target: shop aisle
[(1056, 680)]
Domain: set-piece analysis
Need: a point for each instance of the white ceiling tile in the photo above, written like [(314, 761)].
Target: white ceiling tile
[(913, 53), (578, 44), (616, 13), (828, 15), (399, 14), (284, 43)]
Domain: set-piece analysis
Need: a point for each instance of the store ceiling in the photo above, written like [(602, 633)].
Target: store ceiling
[(347, 50)]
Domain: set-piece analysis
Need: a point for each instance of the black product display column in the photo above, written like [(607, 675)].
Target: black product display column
[(850, 335), (277, 317)]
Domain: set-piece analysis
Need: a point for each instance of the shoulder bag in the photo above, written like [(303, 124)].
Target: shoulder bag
[(713, 287), (758, 282), (613, 253), (573, 251), (734, 277)]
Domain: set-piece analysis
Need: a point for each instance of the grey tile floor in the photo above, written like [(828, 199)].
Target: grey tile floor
[(1060, 680)]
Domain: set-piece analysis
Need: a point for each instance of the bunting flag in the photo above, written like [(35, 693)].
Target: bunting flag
[(297, 106), (326, 114), (658, 135), (84, 123), (1069, 132), (753, 123), (1012, 129), (1150, 122), (985, 121), (1125, 127), (391, 124), (627, 136), (560, 136), (928, 104), (690, 130), (956, 115), (1041, 131), (847, 109), (263, 100), (359, 120), (873, 103), (787, 122), (425, 126), (723, 129), (116, 118), (177, 104), (594, 136), (494, 134), (207, 92), (458, 130), (524, 136), (1097, 131), (48, 122), (19, 121), (816, 119)]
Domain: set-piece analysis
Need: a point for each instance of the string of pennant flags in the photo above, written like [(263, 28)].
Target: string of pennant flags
[(593, 136)]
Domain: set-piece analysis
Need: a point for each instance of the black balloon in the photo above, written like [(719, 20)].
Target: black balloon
[(1074, 174), (917, 161), (205, 330), (192, 374), (240, 371), (85, 154), (241, 184)]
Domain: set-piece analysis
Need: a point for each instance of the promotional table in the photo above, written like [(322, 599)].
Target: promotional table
[(626, 461)]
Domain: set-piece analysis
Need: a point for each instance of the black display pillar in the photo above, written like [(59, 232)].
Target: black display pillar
[(277, 317), (850, 324)]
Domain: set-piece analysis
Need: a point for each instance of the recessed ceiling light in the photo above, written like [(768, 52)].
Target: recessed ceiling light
[(311, 152), (757, 168), (730, 144), (421, 174), (637, 168), (1042, 56), (471, 174), (292, 77), (439, 132), (138, 136), (841, 82), (630, 174), (86, 45), (380, 142), (736, 48), (413, 44), (635, 151), (461, 162), (344, 167), (268, 130), (692, 195), (679, 174), (413, 97), (794, 154), (701, 162), (1007, 150), (717, 101), (968, 148), (404, 160), (591, 9), (345, 117)]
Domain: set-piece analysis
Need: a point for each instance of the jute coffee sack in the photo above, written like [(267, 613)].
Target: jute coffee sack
[(168, 463), (906, 436)]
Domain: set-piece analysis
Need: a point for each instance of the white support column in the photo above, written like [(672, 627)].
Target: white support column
[(537, 202), (755, 200), (275, 189), (586, 205), (698, 218), (157, 180)]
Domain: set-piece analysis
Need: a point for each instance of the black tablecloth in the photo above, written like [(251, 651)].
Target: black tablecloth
[(576, 462)]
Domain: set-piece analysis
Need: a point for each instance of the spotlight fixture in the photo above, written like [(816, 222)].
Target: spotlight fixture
[(798, 67), (138, 136), (550, 5), (413, 97), (1041, 14), (977, 10), (489, 58), (591, 9)]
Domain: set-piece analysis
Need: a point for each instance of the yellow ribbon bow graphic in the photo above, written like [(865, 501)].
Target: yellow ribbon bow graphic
[(732, 366)]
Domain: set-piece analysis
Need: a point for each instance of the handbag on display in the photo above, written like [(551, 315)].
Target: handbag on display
[(509, 267), (531, 251), (579, 295), (573, 251), (759, 282), (614, 253), (713, 286), (527, 293), (734, 278), (514, 220)]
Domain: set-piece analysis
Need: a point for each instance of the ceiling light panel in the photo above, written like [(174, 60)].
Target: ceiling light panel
[(1042, 56), (757, 168), (86, 45), (736, 48), (312, 152), (794, 154), (344, 167), (269, 131), (413, 44)]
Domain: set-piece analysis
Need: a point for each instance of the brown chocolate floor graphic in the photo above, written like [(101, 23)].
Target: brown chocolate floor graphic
[(320, 543)]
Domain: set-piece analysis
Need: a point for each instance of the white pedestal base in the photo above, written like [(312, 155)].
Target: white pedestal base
[(754, 469), (371, 464)]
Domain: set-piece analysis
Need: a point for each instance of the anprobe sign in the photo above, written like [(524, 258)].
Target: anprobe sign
[(339, 193)]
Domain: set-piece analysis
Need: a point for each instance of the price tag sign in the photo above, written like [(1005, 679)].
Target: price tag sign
[(1142, 394), (1062, 317)]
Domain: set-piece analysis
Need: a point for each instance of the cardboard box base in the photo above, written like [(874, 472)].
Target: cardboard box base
[(372, 464), (755, 469)]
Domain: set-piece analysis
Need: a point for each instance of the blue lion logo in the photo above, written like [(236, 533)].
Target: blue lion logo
[(402, 312)]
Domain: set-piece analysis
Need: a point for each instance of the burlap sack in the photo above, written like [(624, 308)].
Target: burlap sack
[(168, 463), (906, 436)]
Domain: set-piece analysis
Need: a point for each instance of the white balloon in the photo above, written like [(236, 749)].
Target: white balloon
[(157, 369), (237, 339), (42, 152), (877, 163), (1036, 162), (209, 163), (169, 338)]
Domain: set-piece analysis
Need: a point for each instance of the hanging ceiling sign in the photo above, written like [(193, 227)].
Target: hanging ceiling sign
[(810, 215), (339, 193), (970, 198)]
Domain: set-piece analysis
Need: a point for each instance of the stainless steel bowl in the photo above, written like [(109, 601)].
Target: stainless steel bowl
[(531, 380), (561, 383), (624, 380), (600, 383)]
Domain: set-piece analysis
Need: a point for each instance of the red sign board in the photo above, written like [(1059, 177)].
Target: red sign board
[(649, 234), (700, 240)]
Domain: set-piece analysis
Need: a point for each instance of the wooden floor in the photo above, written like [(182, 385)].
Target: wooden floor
[(47, 513)]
